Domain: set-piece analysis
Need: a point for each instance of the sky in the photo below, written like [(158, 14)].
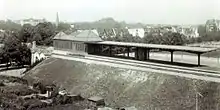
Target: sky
[(132, 11)]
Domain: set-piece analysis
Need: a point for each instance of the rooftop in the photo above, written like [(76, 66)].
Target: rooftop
[(95, 98), (157, 46), (86, 35)]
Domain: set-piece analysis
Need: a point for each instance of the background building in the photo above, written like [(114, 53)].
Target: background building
[(30, 21), (212, 25), (74, 43), (137, 32)]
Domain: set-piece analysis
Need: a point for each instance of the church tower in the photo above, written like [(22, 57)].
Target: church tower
[(57, 20)]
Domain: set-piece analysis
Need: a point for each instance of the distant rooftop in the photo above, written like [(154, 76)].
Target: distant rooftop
[(84, 36)]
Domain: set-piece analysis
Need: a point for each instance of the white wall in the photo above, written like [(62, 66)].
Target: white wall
[(35, 56)]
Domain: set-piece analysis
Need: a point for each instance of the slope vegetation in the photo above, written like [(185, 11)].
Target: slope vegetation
[(122, 87)]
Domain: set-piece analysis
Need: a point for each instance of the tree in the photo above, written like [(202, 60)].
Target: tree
[(15, 51), (43, 33), (37, 38), (26, 33), (169, 38), (63, 27), (9, 25), (174, 39), (151, 38), (201, 30), (209, 36)]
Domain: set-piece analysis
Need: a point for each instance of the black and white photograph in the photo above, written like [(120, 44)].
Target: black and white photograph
[(109, 54)]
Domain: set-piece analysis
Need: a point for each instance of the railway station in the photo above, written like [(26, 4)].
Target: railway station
[(141, 51)]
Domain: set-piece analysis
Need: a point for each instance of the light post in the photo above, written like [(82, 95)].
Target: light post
[(197, 106), (197, 93)]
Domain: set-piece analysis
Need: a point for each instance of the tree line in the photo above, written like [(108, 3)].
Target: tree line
[(206, 36), (170, 38), (15, 37), (43, 33), (14, 52)]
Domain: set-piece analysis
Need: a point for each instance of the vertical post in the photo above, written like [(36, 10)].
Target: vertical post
[(94, 49), (148, 54), (128, 51), (85, 47), (145, 53), (136, 53), (198, 59), (99, 51), (196, 101), (102, 52), (171, 52)]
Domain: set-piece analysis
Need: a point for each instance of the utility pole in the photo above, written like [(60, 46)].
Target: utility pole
[(197, 93), (197, 101)]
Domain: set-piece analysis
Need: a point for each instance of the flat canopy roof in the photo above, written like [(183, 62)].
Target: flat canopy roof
[(157, 46)]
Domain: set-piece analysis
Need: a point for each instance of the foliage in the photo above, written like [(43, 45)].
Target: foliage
[(201, 29), (108, 27), (105, 23), (15, 51), (9, 25), (122, 35), (26, 33), (209, 36), (42, 33), (63, 27), (169, 38), (45, 32)]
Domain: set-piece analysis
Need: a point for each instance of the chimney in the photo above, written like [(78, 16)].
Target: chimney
[(33, 44)]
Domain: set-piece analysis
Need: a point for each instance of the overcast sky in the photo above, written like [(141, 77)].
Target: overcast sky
[(146, 11)]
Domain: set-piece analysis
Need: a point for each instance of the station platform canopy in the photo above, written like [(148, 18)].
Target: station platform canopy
[(157, 46)]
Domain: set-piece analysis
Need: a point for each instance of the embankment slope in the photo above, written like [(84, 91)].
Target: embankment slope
[(123, 87)]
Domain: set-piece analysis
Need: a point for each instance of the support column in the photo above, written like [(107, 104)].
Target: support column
[(141, 54), (199, 59), (171, 54), (128, 51), (145, 54), (100, 49), (136, 53), (99, 46), (148, 54), (110, 50), (95, 49)]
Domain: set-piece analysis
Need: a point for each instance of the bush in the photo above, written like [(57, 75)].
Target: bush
[(34, 103), (20, 90)]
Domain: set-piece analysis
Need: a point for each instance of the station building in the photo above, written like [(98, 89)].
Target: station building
[(75, 42)]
